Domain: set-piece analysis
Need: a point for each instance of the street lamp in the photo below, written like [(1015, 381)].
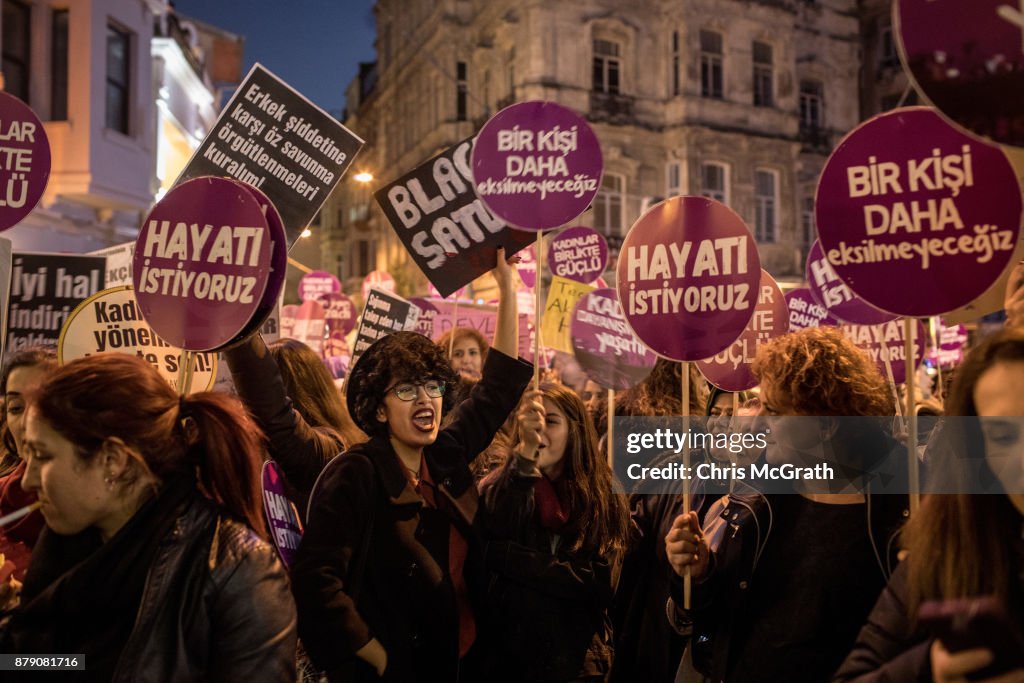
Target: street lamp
[(363, 177)]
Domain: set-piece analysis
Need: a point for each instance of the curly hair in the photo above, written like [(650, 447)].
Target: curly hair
[(399, 357), (460, 333), (821, 372), (661, 392)]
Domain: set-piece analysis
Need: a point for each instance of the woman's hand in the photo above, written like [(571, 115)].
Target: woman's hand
[(503, 270), (374, 654), (953, 667), (686, 547), (530, 419)]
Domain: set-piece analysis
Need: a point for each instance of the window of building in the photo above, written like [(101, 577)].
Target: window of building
[(676, 61), (59, 65), (766, 203), (812, 105), (119, 43), (673, 179), (711, 64), (16, 47), (461, 90), (609, 203), (607, 67), (714, 181), (763, 76), (366, 257), (807, 221)]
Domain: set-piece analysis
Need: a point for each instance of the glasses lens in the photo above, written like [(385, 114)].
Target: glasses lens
[(406, 392), (434, 389)]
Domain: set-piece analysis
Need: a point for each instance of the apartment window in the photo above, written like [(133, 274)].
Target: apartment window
[(711, 64), (608, 205), (365, 257), (714, 181), (887, 56), (16, 48), (766, 203), (673, 179), (676, 85), (763, 95), (59, 65), (461, 89), (607, 67), (807, 221), (118, 78), (812, 105)]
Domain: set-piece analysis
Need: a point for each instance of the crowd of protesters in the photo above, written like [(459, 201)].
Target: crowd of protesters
[(461, 524)]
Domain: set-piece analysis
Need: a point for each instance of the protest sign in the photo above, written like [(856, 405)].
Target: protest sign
[(951, 343), (202, 263), (888, 338), (527, 267), (119, 263), (383, 313), (110, 321), (318, 283), (605, 346), (310, 325), (437, 316), (5, 288), (339, 312), (271, 137), (579, 253), (730, 370), (805, 311), (24, 160), (563, 296), (828, 290), (966, 59), (378, 279), (537, 165), (288, 314), (916, 217), (687, 276), (282, 517), (45, 288), (449, 233)]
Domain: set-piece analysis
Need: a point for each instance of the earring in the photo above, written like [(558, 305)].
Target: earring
[(109, 482)]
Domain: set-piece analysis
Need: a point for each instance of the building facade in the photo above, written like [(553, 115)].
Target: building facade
[(125, 92), (740, 100)]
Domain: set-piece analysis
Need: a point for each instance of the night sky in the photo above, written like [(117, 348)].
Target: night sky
[(314, 45)]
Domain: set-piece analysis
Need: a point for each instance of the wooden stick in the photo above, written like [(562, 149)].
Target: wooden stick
[(933, 324), (537, 313), (611, 426), (687, 578), (735, 416), (455, 323), (186, 361), (913, 466), (304, 268)]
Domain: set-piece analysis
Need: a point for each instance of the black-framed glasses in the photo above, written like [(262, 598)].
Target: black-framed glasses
[(407, 391)]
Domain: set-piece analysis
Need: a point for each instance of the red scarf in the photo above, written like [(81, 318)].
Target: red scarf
[(551, 503)]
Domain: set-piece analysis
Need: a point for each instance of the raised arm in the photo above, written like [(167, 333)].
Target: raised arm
[(506, 331)]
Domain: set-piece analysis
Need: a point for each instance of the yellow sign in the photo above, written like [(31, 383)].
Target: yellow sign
[(562, 299)]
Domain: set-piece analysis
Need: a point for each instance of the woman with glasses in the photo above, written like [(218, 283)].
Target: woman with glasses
[(389, 573)]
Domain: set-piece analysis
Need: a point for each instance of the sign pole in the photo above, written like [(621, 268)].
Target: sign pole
[(933, 325), (685, 366), (911, 385), (537, 286), (611, 425), (186, 361)]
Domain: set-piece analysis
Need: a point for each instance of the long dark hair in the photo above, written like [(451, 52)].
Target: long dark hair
[(960, 543), (661, 392), (599, 515), (92, 399), (36, 356)]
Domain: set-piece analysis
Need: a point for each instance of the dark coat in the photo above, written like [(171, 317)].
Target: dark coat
[(405, 598), (547, 605)]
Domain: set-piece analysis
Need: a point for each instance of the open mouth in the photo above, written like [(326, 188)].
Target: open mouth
[(423, 420)]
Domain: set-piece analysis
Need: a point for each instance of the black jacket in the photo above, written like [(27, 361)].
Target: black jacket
[(406, 597), (547, 606)]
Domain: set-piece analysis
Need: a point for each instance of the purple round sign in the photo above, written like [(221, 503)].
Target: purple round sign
[(314, 285), (832, 293), (730, 370), (579, 254), (282, 518), (805, 311), (537, 165), (340, 312), (966, 59), (604, 346), (687, 277), (888, 338), (916, 217), (24, 160), (201, 264)]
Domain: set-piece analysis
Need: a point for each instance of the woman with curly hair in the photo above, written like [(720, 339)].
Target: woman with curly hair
[(389, 575), (782, 582), (556, 529)]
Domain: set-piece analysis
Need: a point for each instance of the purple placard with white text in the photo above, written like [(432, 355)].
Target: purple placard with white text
[(605, 346), (282, 518), (537, 165), (730, 370), (317, 283), (916, 217), (24, 160), (201, 263), (877, 340), (805, 311), (339, 311), (687, 276), (828, 290), (579, 254), (966, 59)]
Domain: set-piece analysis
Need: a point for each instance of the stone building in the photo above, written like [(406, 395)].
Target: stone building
[(740, 100)]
